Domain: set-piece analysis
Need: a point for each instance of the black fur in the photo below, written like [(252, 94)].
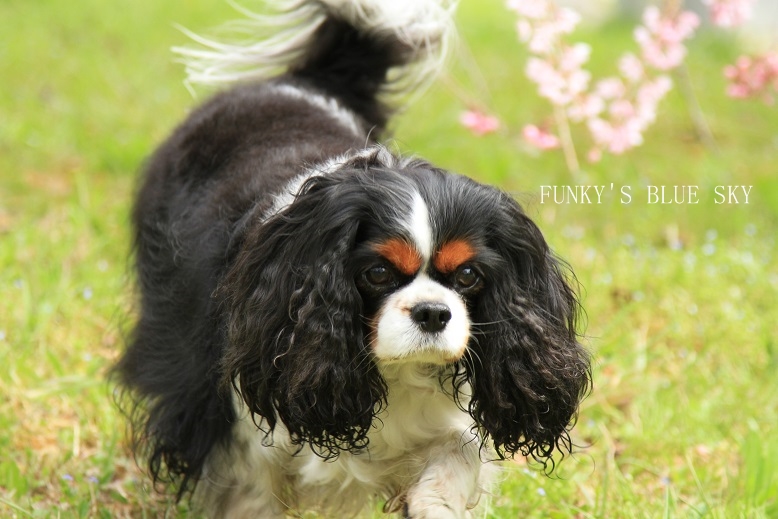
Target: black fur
[(528, 371), (292, 291), (230, 296), (188, 217), (354, 65)]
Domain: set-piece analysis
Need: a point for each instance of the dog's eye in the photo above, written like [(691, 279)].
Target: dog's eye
[(379, 276), (466, 277)]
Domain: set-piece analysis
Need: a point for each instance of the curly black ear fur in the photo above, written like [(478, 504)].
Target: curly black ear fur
[(527, 370), (296, 340)]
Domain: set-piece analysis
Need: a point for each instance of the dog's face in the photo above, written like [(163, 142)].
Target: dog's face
[(376, 263), (416, 292)]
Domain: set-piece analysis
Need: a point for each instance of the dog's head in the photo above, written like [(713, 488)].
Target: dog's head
[(379, 262)]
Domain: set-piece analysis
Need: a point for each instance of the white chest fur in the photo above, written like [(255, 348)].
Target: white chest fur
[(421, 451)]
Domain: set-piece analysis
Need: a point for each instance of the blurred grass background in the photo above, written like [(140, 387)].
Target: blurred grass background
[(680, 299)]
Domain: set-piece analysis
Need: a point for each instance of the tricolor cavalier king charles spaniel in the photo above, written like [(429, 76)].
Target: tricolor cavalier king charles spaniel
[(323, 323)]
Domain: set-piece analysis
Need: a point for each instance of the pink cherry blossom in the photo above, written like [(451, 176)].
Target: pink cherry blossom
[(648, 96), (540, 138), (631, 101), (616, 137), (586, 106), (622, 109), (555, 66), (529, 9), (545, 24), (631, 67), (661, 37), (652, 91), (617, 110), (594, 155), (478, 122), (729, 13), (610, 88), (542, 20), (555, 84), (572, 58), (755, 76)]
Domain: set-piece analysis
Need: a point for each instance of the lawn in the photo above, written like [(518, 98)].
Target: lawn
[(680, 299)]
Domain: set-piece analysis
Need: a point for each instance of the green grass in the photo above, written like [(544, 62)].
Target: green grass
[(680, 299)]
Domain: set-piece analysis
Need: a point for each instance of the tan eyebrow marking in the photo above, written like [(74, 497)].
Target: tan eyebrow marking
[(401, 254), (452, 254)]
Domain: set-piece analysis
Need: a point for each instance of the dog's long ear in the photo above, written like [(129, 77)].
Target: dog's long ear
[(527, 370), (296, 340)]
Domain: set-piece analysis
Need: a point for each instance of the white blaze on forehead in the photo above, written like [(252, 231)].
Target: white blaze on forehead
[(419, 227)]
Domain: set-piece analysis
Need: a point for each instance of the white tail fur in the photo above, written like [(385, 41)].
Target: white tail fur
[(277, 39)]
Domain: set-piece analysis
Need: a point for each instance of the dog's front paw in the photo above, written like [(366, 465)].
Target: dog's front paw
[(399, 505), (428, 507), (430, 512)]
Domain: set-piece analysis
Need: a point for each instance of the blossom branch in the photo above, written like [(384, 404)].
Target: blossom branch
[(617, 110)]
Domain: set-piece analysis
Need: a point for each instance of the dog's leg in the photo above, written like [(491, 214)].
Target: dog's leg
[(246, 502), (241, 495), (451, 483), (243, 481)]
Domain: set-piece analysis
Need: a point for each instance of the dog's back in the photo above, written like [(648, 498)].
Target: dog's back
[(218, 171)]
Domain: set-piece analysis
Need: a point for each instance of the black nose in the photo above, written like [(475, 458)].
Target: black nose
[(431, 317)]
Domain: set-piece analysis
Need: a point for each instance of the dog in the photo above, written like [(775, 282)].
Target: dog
[(321, 322)]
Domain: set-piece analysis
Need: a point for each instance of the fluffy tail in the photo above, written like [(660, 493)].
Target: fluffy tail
[(369, 46)]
